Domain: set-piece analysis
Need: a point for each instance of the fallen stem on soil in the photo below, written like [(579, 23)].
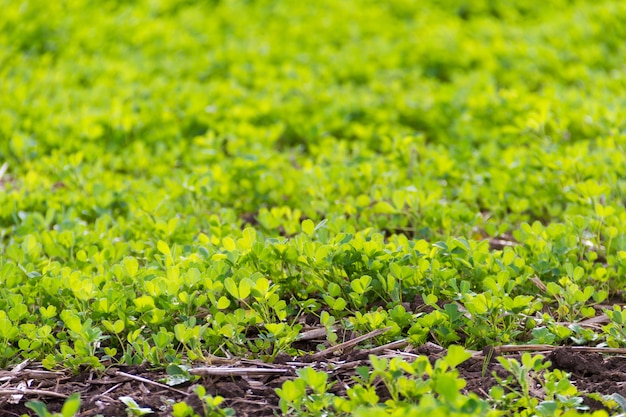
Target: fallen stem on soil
[(398, 344), (17, 391), (531, 348), (314, 333), (148, 381), (350, 343), (224, 371), (29, 374)]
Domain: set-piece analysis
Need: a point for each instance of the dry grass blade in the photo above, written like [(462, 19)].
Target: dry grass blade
[(594, 321), (3, 170), (226, 371), (550, 348), (38, 392), (398, 344), (113, 388), (539, 284), (523, 348), (20, 366), (499, 244), (218, 360), (608, 306), (313, 334), (148, 381), (349, 344), (605, 350), (29, 374)]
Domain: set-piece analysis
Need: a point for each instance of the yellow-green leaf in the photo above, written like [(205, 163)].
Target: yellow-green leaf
[(308, 226), (229, 244), (223, 303), (163, 248)]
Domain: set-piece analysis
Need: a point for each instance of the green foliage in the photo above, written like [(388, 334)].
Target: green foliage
[(71, 407), (186, 179), (417, 385), (616, 329), (210, 406), (133, 409), (516, 392)]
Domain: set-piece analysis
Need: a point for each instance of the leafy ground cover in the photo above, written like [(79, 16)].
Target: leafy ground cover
[(312, 208)]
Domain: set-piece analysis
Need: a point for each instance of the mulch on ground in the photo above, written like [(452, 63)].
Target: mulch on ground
[(248, 386)]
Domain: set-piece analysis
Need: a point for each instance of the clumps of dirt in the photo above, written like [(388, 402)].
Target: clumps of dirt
[(589, 372), (592, 372), (478, 373), (582, 365)]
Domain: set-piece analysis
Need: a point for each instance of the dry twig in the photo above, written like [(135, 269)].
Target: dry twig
[(17, 391), (550, 348), (349, 344), (313, 334), (147, 381), (229, 371)]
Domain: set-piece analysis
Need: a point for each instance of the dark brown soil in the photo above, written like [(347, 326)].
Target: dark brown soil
[(591, 372), (252, 394)]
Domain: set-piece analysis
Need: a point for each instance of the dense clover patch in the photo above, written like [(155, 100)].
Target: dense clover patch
[(322, 208)]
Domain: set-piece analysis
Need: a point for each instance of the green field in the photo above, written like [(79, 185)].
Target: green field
[(400, 207)]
